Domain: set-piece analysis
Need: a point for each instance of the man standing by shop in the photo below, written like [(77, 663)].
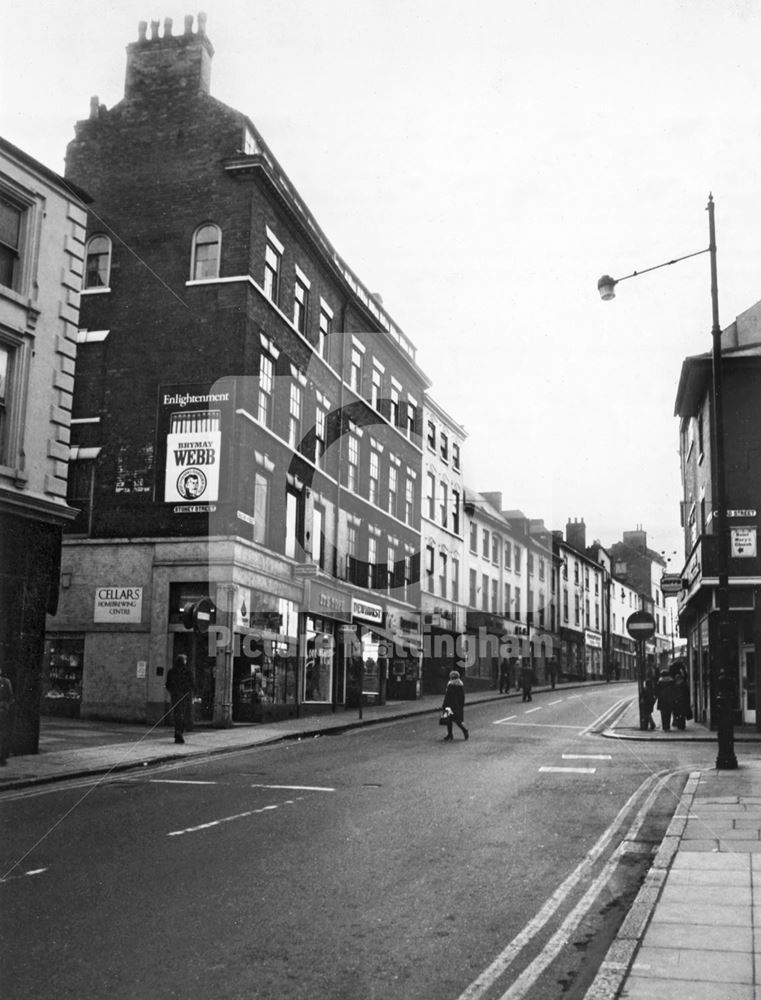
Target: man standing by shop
[(180, 685)]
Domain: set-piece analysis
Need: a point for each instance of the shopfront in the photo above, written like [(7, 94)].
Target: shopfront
[(62, 674), (593, 659)]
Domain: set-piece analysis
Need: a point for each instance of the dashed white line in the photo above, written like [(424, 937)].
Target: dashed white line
[(558, 702), (228, 819), (587, 756), (568, 770), (178, 781), (297, 788), (530, 710), (508, 719)]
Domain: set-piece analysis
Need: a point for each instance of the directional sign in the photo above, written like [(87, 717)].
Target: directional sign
[(641, 625)]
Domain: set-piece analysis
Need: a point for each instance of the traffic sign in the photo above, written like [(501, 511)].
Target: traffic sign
[(671, 583), (200, 615), (641, 625)]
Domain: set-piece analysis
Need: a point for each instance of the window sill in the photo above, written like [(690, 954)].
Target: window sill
[(95, 291)]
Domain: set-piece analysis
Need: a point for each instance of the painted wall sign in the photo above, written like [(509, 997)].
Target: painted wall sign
[(743, 543), (592, 639), (118, 604)]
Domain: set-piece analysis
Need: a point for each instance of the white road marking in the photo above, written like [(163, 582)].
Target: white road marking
[(486, 980), (568, 770), (297, 788), (15, 878), (508, 719), (227, 819), (558, 702), (545, 725), (587, 756), (178, 781), (530, 710)]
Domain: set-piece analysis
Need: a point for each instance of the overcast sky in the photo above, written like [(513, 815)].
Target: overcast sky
[(481, 164)]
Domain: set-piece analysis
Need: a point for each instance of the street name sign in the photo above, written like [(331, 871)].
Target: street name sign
[(641, 625)]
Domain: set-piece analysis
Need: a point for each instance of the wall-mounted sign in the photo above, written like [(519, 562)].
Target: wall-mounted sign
[(189, 428), (743, 543), (367, 611), (592, 639), (118, 604), (741, 513), (671, 584)]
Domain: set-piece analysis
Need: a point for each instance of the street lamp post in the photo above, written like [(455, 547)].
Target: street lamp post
[(724, 689)]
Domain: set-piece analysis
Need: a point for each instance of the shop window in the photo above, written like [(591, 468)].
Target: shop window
[(63, 672), (98, 263), (320, 661)]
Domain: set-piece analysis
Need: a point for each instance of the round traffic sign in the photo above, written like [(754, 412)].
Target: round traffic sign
[(641, 625)]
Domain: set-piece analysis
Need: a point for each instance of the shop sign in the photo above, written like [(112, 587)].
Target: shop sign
[(671, 584), (327, 601), (369, 612), (118, 604), (743, 543), (592, 639), (741, 513)]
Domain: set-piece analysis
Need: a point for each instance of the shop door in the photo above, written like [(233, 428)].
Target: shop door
[(748, 670)]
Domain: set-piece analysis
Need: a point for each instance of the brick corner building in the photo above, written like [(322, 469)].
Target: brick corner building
[(246, 423)]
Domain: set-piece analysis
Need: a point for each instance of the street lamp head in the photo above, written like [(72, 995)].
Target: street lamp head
[(607, 287)]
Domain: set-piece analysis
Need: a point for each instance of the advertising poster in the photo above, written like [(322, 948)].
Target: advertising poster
[(190, 427)]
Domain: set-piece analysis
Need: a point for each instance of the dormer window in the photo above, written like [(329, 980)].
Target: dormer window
[(98, 263), (205, 258)]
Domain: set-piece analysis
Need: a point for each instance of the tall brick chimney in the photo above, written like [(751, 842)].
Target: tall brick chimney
[(576, 534), (162, 64)]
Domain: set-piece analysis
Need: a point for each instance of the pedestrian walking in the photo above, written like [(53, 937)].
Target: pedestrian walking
[(664, 692), (7, 704), (180, 685), (526, 681), (681, 700), (504, 676), (552, 670), (454, 699)]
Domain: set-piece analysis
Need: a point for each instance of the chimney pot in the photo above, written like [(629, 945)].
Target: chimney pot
[(167, 27), (154, 30), (201, 23), (188, 24), (94, 106), (141, 30)]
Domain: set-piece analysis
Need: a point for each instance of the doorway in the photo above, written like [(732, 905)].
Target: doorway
[(748, 683)]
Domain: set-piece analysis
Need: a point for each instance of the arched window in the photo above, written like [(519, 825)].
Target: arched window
[(206, 244), (98, 262)]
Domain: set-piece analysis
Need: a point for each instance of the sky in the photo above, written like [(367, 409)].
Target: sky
[(481, 165)]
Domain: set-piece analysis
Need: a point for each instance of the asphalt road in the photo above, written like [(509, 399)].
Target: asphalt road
[(381, 863)]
